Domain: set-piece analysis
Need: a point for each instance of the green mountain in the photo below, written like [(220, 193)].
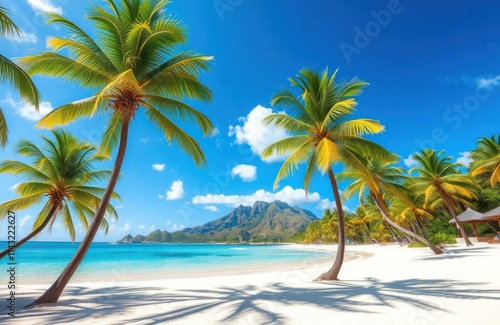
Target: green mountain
[(264, 222)]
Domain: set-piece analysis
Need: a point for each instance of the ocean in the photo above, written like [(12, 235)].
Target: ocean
[(40, 262)]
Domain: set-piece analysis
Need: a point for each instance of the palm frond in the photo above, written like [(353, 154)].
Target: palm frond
[(20, 80), (69, 113), (174, 108), (285, 146), (174, 133)]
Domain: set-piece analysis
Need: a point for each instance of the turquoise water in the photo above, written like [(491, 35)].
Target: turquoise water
[(46, 260)]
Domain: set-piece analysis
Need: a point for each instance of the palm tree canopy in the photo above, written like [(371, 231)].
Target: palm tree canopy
[(438, 175), (323, 134), (131, 64), (61, 173), (487, 158), (372, 177), (13, 74)]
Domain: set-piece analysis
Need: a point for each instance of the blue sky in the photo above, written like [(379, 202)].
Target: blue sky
[(434, 82)]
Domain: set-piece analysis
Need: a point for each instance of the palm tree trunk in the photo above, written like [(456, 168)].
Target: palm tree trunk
[(34, 232), (332, 274), (54, 292), (383, 211), (393, 234), (454, 215)]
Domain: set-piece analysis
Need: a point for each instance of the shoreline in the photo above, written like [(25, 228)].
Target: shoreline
[(384, 284), (211, 271)]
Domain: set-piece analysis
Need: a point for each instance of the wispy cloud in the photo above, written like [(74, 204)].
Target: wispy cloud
[(25, 37), (488, 82), (212, 208), (26, 110), (478, 81), (44, 6), (24, 221)]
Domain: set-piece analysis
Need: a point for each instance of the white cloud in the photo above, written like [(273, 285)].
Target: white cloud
[(287, 194), (26, 110), (464, 159), (24, 220), (215, 132), (44, 6), (25, 37), (247, 173), (410, 162), (114, 228), (158, 167), (169, 222), (176, 191), (14, 187), (212, 208), (256, 134), (153, 227), (176, 228), (161, 196), (141, 227), (489, 82), (120, 206), (327, 204)]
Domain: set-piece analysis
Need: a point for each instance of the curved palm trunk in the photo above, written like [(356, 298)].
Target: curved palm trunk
[(333, 273), (34, 232), (54, 292), (385, 215), (454, 215), (393, 234)]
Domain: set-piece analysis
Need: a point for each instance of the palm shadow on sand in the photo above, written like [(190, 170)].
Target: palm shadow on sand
[(362, 296)]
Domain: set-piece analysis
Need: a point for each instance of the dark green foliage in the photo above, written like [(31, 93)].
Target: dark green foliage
[(264, 222)]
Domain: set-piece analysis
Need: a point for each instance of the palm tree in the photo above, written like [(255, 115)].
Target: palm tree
[(377, 179), (443, 185), (359, 223), (132, 65), (13, 74), (408, 208), (59, 173), (487, 159), (322, 131)]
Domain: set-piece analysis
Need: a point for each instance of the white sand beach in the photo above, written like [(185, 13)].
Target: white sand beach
[(383, 285)]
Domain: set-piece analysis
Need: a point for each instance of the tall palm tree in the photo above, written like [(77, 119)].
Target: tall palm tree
[(439, 178), (60, 173), (487, 159), (319, 122), (133, 65), (13, 74), (378, 179)]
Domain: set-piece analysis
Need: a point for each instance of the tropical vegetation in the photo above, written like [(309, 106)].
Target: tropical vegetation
[(13, 74), (131, 64), (323, 136), (61, 176)]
